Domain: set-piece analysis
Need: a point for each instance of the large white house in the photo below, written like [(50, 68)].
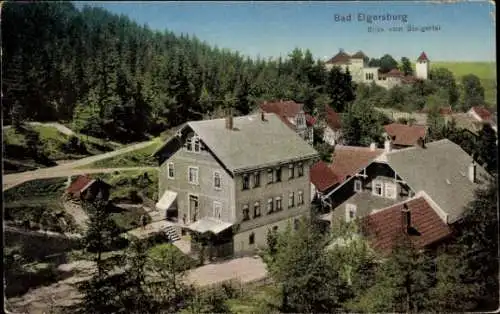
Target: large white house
[(357, 64)]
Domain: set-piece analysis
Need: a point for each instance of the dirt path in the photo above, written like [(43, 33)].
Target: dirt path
[(78, 214), (11, 180)]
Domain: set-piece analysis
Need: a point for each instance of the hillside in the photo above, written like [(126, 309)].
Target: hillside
[(485, 71), (38, 146)]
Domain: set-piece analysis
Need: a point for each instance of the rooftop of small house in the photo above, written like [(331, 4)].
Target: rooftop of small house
[(286, 109), (465, 121), (386, 226), (80, 184), (253, 141), (441, 169), (404, 134), (322, 176), (346, 162), (482, 112)]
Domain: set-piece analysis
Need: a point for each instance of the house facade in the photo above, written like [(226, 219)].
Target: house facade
[(357, 64), (332, 131), (438, 169), (228, 181), (293, 115)]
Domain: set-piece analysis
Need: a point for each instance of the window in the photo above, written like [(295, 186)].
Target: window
[(193, 175), (269, 205), (278, 203), (251, 238), (390, 190), (246, 182), (291, 171), (300, 200), (377, 188), (256, 209), (256, 179), (300, 170), (246, 214), (350, 212), (291, 200), (217, 180), (358, 186), (217, 209), (278, 174), (196, 144), (171, 172), (189, 144), (270, 176)]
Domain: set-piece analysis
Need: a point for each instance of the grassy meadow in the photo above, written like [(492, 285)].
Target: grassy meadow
[(486, 71)]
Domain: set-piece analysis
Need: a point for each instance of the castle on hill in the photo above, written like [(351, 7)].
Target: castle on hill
[(362, 73)]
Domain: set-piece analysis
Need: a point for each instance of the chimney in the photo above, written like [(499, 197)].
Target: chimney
[(229, 119), (373, 146), (472, 172), (421, 142), (406, 217)]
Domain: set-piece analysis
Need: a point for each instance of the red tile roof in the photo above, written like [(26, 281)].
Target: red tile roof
[(403, 134), (322, 176), (79, 183), (288, 108), (395, 73), (422, 57), (348, 160), (333, 119), (340, 57), (385, 226), (482, 112)]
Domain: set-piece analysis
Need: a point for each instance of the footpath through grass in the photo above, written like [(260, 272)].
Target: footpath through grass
[(38, 146), (137, 158)]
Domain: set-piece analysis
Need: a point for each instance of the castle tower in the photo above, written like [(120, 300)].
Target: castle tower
[(423, 66)]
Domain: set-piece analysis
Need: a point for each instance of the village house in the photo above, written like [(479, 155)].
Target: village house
[(416, 219), (293, 115), (332, 131), (405, 135), (229, 181), (357, 65), (441, 171), (86, 188)]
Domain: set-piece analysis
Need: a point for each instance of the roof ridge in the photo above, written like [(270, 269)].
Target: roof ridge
[(417, 196)]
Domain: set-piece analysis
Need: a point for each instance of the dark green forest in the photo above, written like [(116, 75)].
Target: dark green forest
[(110, 76)]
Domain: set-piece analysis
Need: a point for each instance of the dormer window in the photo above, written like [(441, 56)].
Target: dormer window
[(358, 186), (196, 144), (189, 144)]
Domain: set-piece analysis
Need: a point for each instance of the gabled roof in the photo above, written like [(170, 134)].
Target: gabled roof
[(467, 122), (287, 108), (322, 176), (403, 134), (341, 57), (349, 160), (252, 143), (395, 73), (482, 112), (80, 184), (422, 57), (333, 119), (385, 227), (441, 170)]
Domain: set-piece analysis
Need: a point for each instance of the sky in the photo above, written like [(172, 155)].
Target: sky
[(462, 31)]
